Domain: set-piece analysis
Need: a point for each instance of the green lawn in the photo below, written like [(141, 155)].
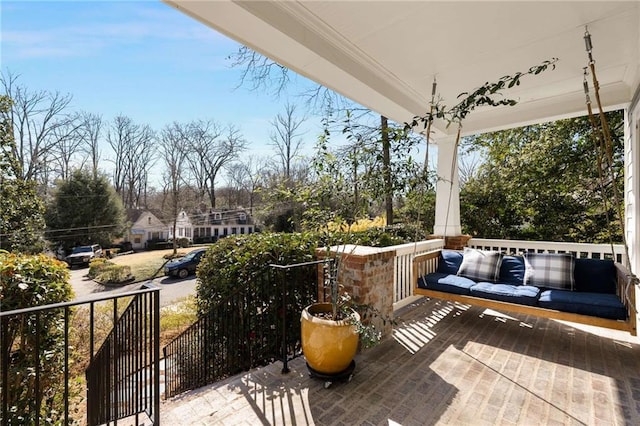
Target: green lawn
[(146, 265)]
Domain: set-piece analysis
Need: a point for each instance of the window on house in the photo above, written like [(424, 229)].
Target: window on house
[(234, 230), (181, 232), (187, 232), (225, 232), (136, 240), (242, 229), (149, 220), (216, 232)]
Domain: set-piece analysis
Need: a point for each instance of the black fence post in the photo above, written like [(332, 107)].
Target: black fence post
[(5, 370), (156, 356), (285, 354)]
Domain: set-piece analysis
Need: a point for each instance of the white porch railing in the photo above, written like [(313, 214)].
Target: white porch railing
[(403, 273), (580, 250)]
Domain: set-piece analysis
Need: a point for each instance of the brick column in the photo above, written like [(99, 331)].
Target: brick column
[(457, 242), (367, 274)]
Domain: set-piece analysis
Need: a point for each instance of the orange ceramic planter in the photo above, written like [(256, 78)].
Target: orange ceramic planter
[(328, 346)]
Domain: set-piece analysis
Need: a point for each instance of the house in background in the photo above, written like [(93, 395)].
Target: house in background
[(207, 226), (202, 226), (145, 227), (183, 227)]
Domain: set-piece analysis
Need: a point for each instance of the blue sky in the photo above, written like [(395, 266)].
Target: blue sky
[(141, 59)]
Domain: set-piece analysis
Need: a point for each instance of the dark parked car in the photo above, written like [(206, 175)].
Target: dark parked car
[(185, 265), (83, 255)]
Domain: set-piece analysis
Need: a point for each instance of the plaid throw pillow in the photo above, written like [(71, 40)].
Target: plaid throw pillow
[(480, 265), (550, 270)]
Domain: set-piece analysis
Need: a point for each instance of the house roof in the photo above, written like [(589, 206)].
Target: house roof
[(385, 54), (211, 216), (134, 215)]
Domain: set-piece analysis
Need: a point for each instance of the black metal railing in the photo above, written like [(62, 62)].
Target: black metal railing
[(39, 380), (256, 325), (123, 376)]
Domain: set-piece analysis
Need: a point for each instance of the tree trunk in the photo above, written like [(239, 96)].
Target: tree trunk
[(212, 197), (386, 169)]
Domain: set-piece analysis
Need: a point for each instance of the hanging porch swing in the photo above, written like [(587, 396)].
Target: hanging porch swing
[(597, 292)]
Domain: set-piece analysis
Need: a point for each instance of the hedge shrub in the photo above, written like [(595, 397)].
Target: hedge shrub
[(183, 242), (238, 260), (27, 281), (106, 272), (115, 274), (96, 266)]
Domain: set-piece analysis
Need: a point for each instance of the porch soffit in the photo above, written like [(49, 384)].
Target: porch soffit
[(385, 54)]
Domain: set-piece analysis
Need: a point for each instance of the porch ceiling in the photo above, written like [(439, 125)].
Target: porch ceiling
[(385, 54)]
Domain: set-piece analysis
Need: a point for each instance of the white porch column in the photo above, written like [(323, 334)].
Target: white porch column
[(632, 178), (447, 220), (632, 188)]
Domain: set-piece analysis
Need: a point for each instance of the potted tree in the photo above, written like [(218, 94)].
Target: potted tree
[(333, 331)]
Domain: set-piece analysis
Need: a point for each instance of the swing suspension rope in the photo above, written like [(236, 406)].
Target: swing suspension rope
[(454, 160), (605, 149), (424, 181), (599, 143), (432, 105), (605, 143), (454, 167), (425, 169)]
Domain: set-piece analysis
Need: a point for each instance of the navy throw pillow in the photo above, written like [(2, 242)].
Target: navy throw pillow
[(512, 270), (450, 261), (595, 276)]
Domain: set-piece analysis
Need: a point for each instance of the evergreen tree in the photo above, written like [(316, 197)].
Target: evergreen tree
[(21, 210), (85, 210)]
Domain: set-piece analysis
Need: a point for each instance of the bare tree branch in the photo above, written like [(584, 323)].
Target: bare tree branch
[(91, 133), (132, 145), (174, 156), (249, 176), (64, 151), (210, 151), (285, 138), (259, 71), (36, 117)]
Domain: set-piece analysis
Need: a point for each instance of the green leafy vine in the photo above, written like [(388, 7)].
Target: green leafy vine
[(489, 94)]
